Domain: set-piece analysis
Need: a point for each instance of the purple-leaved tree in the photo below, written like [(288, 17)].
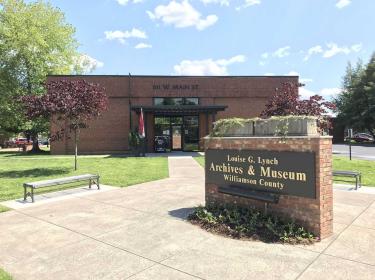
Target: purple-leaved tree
[(287, 101), (71, 103)]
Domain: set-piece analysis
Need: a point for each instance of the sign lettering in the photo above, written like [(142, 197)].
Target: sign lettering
[(289, 173), (175, 87)]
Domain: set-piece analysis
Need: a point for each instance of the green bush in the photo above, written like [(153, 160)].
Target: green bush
[(134, 139), (239, 222), (4, 275), (222, 126)]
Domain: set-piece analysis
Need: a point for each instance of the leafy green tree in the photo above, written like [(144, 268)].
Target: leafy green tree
[(356, 104), (35, 40)]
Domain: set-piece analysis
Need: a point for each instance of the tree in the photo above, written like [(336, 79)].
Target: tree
[(35, 41), (356, 104), (70, 105), (287, 101)]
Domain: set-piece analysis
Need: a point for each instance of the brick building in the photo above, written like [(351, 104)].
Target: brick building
[(180, 108)]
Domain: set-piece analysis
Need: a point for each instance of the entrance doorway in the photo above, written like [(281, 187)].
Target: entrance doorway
[(180, 132), (176, 137)]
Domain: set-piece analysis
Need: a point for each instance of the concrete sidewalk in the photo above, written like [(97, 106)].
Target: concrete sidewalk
[(140, 232)]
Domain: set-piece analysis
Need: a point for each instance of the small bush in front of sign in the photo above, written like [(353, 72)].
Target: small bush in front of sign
[(243, 223)]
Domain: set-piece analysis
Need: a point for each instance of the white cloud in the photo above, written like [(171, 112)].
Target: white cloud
[(86, 63), (125, 2), (331, 50), (143, 46), (206, 66), (269, 74), (305, 80), (181, 15), (342, 3), (248, 3), (327, 93), (262, 63), (293, 73), (234, 59), (334, 49), (121, 36), (313, 50), (281, 52), (330, 92), (221, 2), (305, 93), (356, 47), (301, 80)]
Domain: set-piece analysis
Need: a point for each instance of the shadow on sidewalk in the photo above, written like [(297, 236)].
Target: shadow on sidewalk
[(181, 213)]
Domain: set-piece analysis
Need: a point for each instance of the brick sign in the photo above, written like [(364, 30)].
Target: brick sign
[(289, 173)]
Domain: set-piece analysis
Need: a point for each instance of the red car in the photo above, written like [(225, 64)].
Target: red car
[(22, 141)]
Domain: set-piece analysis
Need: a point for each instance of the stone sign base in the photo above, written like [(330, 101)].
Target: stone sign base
[(315, 214)]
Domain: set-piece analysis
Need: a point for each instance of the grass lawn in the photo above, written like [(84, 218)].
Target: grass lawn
[(4, 275), (16, 169), (3, 208), (366, 167), (200, 160)]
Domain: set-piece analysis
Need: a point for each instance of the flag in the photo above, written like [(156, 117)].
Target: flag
[(141, 125)]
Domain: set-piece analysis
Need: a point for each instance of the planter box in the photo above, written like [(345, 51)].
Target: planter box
[(286, 126), (246, 129)]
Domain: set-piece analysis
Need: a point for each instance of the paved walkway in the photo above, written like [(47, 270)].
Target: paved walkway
[(139, 232)]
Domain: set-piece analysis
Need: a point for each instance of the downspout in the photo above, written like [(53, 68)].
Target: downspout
[(130, 105)]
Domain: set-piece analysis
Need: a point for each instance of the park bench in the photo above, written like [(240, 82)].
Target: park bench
[(93, 179), (353, 174)]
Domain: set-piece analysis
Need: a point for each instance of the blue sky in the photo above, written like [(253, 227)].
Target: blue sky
[(311, 38)]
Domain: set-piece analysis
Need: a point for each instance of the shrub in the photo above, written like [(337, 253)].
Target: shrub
[(245, 223)]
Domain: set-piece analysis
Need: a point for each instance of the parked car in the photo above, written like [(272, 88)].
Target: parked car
[(43, 141), (11, 143), (22, 141), (362, 137)]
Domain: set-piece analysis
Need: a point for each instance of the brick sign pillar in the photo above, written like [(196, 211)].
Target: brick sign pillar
[(298, 169)]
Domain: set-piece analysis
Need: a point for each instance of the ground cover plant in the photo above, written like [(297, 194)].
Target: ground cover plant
[(3, 208), (366, 167), (245, 223), (4, 275), (16, 169)]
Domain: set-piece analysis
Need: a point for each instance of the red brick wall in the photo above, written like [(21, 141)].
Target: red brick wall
[(314, 214), (244, 96)]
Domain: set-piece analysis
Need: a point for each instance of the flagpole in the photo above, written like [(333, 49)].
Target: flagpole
[(141, 131)]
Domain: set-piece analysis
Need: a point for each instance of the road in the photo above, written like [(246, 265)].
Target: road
[(358, 151)]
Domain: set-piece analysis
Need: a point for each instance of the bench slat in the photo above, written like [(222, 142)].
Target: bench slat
[(346, 173), (59, 181)]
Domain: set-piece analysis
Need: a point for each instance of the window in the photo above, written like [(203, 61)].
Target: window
[(168, 101), (191, 101), (160, 101)]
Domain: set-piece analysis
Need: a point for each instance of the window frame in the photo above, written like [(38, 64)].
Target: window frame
[(183, 100)]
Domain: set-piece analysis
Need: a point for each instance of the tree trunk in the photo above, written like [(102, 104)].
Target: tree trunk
[(33, 135), (75, 149), (34, 138)]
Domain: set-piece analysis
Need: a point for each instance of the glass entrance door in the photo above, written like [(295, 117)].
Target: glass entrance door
[(191, 133), (176, 132), (179, 133), (176, 137)]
